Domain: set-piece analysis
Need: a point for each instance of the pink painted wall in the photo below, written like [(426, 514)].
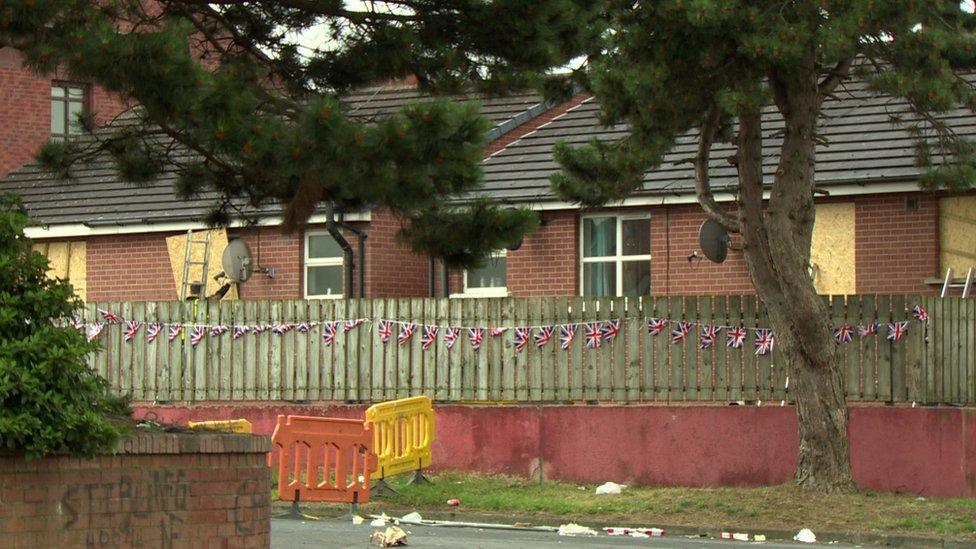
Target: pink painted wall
[(927, 451)]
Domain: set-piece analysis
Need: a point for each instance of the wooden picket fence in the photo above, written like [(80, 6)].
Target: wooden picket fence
[(933, 363)]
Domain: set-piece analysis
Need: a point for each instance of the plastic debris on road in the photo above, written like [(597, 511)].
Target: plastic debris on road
[(411, 517), (454, 502), (759, 537), (805, 536), (379, 522), (633, 532), (573, 529), (737, 536), (610, 488), (356, 519), (390, 537)]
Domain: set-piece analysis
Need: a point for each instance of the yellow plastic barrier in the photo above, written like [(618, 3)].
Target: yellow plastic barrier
[(231, 425), (403, 431)]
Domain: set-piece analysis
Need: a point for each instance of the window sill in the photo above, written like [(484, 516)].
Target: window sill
[(469, 294), (329, 296)]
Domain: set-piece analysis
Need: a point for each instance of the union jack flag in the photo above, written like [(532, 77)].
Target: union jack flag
[(131, 328), (593, 334), (110, 317), (521, 338), (656, 325), (543, 336), (350, 324), (844, 334), (153, 330), (218, 330), (476, 336), (239, 331), (868, 329), (281, 329), (406, 332), (76, 323), (328, 333), (681, 329), (735, 337), (428, 337), (385, 330), (260, 328), (303, 327), (764, 341), (451, 336), (920, 314), (196, 336), (896, 330), (497, 331), (566, 334), (708, 335), (91, 334), (174, 331), (610, 330)]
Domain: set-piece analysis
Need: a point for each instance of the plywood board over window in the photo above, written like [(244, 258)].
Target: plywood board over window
[(66, 260), (957, 233), (832, 252), (176, 246)]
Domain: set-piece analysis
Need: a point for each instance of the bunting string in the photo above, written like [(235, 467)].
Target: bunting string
[(596, 333)]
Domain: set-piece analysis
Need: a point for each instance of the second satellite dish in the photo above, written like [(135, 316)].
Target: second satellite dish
[(236, 261), (713, 240)]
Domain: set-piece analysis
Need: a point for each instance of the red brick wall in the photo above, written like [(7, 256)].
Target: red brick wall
[(895, 248), (25, 110), (162, 490), (131, 267), (270, 247), (392, 269), (546, 264)]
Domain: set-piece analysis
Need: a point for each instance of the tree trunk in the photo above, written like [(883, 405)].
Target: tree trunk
[(776, 239)]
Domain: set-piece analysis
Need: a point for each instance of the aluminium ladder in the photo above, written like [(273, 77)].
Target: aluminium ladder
[(966, 285), (195, 288)]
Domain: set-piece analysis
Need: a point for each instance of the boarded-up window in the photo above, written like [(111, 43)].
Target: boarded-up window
[(176, 245), (66, 260), (957, 238), (832, 252)]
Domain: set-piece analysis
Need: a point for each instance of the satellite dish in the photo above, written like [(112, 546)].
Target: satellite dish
[(236, 261), (713, 240)]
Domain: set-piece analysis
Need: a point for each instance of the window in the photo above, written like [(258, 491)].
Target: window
[(323, 266), (616, 256), (68, 105), (489, 280)]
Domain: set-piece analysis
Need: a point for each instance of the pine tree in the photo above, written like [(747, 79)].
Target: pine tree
[(234, 98), (707, 68)]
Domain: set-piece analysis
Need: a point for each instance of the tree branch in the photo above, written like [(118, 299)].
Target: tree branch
[(839, 73), (703, 190)]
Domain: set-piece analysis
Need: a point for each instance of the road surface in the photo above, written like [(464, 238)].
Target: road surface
[(286, 534)]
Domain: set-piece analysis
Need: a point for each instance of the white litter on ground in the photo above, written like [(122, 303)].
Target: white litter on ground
[(805, 536), (610, 488), (573, 529), (379, 522), (411, 517)]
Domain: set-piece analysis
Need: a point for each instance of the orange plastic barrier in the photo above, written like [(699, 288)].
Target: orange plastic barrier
[(323, 459)]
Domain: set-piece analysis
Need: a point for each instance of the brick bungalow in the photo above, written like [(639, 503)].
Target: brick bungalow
[(876, 231)]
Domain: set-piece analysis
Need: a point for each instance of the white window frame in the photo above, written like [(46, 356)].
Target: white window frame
[(321, 262), (619, 258), (494, 291)]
